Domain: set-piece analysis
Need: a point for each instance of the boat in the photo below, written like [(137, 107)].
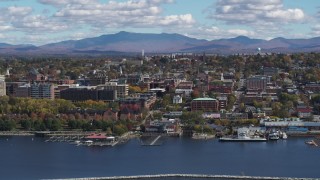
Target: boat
[(284, 135), (312, 142), (274, 136), (88, 143), (243, 136)]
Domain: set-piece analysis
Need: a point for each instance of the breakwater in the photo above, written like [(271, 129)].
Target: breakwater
[(191, 176)]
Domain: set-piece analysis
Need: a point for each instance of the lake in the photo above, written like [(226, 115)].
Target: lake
[(33, 158)]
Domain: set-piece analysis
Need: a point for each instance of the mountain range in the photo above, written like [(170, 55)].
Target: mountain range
[(126, 42)]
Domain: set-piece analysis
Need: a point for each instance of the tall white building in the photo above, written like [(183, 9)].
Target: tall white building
[(2, 85)]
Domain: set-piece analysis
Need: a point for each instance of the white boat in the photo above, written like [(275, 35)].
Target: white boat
[(88, 142), (243, 136), (284, 135), (273, 136)]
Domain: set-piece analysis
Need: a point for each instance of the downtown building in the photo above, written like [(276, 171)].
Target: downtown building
[(258, 83), (2, 85), (83, 93), (121, 89), (35, 90)]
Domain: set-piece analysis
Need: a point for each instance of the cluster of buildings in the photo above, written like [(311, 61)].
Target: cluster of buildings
[(208, 90)]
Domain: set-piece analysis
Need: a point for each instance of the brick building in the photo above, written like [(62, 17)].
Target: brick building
[(257, 83), (205, 104)]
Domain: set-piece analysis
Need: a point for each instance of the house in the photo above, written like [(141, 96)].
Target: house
[(177, 99), (304, 112), (34, 75)]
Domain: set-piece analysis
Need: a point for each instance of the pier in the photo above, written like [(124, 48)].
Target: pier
[(64, 138), (155, 140), (150, 140)]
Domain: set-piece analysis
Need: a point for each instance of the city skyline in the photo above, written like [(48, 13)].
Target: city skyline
[(45, 21)]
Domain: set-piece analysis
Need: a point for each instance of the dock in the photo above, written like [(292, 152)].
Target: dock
[(151, 140), (64, 138), (155, 140)]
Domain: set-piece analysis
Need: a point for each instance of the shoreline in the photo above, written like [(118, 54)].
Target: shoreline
[(128, 135)]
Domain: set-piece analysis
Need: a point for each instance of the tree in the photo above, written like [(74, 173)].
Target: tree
[(26, 124), (231, 100), (195, 94), (56, 125), (191, 118), (7, 125), (166, 100), (39, 125), (119, 129)]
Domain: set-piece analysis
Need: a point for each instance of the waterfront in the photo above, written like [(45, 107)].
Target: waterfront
[(32, 158)]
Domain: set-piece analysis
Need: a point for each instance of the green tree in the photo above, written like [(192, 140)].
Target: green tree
[(26, 124)]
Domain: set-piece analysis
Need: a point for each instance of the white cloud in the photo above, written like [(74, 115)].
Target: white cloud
[(74, 17), (39, 23), (255, 12), (130, 13), (18, 11), (214, 32), (5, 28), (315, 30), (65, 2)]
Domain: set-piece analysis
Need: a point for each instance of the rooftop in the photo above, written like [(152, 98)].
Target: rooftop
[(204, 99)]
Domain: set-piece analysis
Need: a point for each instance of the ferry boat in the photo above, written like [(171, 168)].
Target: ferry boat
[(243, 136)]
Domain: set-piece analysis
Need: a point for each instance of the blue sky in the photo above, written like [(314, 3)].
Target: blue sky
[(44, 21)]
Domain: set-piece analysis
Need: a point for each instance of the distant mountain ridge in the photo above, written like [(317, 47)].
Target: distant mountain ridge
[(127, 42)]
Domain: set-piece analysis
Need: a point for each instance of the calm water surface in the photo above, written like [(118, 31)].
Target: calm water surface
[(27, 158)]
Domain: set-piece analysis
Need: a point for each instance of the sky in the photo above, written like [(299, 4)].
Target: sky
[(40, 22)]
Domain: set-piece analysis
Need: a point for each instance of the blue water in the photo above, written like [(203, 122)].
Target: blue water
[(27, 158)]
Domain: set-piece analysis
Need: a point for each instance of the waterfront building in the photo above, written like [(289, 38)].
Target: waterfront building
[(205, 104), (291, 124), (304, 112), (2, 85)]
